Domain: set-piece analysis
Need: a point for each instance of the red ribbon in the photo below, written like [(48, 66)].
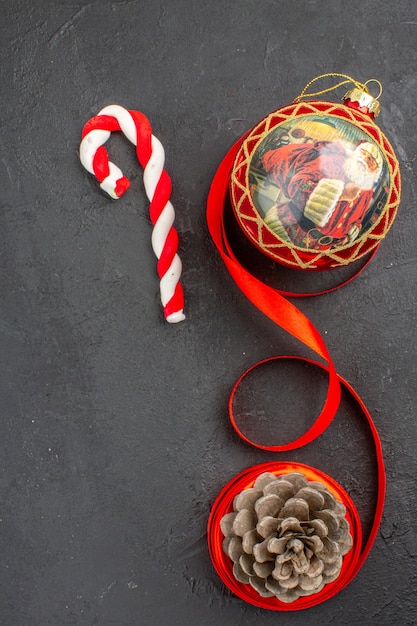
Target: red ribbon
[(270, 302), (286, 315)]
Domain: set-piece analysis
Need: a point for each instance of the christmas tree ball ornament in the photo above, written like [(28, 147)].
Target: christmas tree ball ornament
[(151, 155), (285, 536), (316, 185)]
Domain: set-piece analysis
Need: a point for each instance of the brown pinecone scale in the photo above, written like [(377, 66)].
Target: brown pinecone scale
[(286, 536)]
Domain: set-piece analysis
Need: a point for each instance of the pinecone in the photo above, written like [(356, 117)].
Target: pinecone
[(286, 536)]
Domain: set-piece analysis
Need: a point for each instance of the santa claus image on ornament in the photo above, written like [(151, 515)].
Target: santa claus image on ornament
[(319, 192)]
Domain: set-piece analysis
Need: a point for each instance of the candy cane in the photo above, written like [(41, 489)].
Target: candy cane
[(157, 183)]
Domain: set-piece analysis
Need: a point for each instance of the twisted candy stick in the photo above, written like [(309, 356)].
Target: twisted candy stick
[(151, 156)]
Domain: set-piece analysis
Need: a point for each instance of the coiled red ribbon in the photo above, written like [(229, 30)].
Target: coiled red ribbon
[(286, 315)]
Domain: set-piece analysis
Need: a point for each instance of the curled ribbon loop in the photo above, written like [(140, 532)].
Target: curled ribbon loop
[(150, 153), (271, 303)]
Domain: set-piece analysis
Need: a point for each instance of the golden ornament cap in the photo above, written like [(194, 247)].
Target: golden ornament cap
[(362, 100)]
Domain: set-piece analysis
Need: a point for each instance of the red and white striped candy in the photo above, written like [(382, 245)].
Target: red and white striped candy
[(157, 183)]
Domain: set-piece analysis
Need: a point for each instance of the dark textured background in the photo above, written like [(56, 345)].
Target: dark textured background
[(114, 432)]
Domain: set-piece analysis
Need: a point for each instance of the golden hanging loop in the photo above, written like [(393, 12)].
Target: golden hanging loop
[(346, 80), (374, 80)]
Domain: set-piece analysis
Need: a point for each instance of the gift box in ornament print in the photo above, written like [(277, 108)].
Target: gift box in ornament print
[(316, 185), (284, 536)]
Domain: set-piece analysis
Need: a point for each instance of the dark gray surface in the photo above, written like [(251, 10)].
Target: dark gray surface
[(114, 432)]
